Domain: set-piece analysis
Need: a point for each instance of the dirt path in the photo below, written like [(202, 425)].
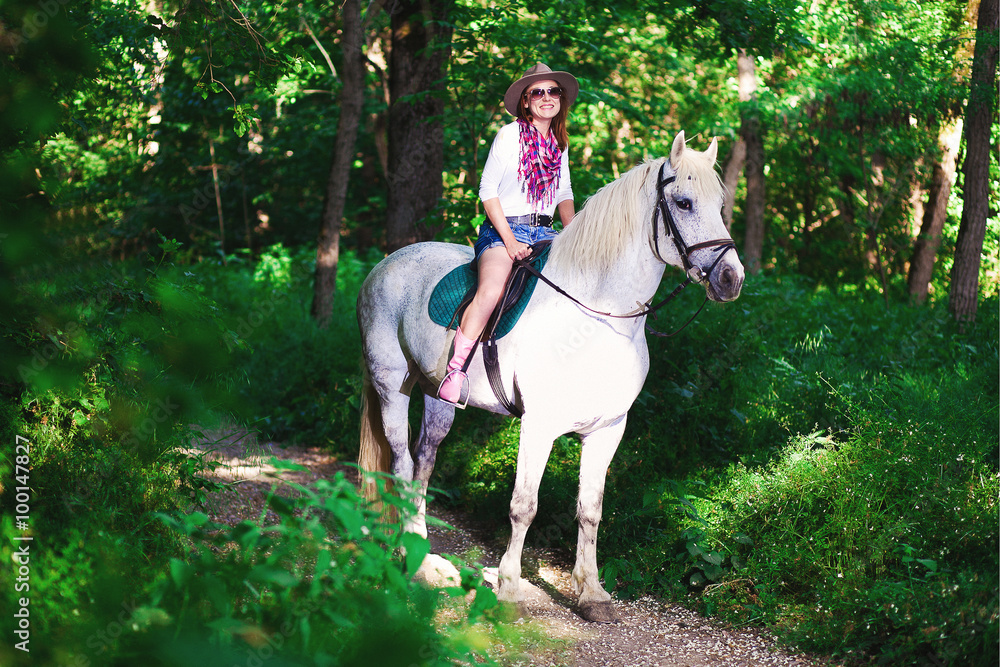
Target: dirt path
[(651, 633)]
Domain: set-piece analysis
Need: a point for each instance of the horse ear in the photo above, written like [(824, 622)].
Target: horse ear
[(713, 150), (677, 149)]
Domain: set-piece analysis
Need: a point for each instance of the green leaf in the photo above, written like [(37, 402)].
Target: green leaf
[(394, 578), (695, 550), (609, 572), (229, 626), (350, 517), (281, 505), (272, 574), (306, 629), (170, 245), (180, 572), (713, 572), (197, 519), (218, 594), (714, 558), (485, 600), (284, 464), (417, 548), (323, 560), (146, 617), (246, 533)]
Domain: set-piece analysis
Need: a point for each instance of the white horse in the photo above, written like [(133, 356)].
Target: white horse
[(569, 368)]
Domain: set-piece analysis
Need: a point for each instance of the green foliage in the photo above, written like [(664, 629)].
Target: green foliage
[(297, 382), (98, 383), (809, 461), (758, 27), (114, 354), (322, 586), (328, 583), (874, 538), (854, 128), (851, 99)]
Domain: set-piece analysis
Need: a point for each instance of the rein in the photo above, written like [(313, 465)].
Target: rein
[(694, 273), (491, 357)]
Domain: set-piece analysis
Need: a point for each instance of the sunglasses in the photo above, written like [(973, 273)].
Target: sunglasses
[(538, 93)]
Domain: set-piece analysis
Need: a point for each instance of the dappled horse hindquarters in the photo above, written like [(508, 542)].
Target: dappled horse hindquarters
[(612, 257)]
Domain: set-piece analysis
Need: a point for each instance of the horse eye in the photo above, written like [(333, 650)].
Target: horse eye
[(683, 204)]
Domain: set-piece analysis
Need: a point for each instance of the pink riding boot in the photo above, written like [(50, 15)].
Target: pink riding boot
[(451, 387)]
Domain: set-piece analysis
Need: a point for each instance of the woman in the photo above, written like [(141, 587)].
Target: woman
[(526, 178)]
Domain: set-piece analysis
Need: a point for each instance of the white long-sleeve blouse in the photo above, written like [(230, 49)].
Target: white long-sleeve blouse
[(499, 178)]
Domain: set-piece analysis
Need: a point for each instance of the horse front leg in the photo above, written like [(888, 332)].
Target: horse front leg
[(599, 449), (532, 455)]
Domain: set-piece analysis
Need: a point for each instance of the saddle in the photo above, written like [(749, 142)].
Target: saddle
[(455, 291), (516, 293)]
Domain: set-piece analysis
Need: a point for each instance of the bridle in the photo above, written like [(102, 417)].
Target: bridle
[(694, 273)]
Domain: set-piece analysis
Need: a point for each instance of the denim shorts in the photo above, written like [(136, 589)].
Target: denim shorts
[(529, 234)]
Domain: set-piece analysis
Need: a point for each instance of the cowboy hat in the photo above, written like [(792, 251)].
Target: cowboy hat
[(540, 72)]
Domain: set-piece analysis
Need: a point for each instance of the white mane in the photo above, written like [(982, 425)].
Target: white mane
[(615, 215)]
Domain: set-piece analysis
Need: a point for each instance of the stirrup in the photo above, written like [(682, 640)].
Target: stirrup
[(465, 379)]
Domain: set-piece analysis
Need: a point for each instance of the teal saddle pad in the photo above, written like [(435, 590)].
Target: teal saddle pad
[(449, 292)]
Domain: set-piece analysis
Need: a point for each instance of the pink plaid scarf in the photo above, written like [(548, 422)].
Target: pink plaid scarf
[(539, 165)]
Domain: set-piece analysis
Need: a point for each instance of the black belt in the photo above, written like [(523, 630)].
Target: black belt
[(533, 219)]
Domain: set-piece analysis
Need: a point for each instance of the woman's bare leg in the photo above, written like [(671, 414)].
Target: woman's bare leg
[(494, 267)]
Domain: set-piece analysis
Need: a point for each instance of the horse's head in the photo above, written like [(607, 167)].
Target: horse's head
[(688, 230)]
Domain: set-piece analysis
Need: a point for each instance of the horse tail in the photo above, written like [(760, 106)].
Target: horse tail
[(374, 455)]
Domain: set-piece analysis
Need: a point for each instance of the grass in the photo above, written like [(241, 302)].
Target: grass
[(296, 382)]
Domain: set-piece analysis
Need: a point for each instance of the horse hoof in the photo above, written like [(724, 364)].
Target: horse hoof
[(510, 612), (599, 612)]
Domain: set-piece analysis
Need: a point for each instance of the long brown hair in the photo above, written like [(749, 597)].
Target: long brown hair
[(558, 125)]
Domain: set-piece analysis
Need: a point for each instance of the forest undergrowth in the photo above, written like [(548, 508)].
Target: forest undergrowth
[(802, 459)]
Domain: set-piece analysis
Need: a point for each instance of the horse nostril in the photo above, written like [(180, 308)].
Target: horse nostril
[(728, 278)]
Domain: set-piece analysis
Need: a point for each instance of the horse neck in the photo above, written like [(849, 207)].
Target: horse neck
[(632, 279)]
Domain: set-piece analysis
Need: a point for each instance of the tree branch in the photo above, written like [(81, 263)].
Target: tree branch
[(326, 56)]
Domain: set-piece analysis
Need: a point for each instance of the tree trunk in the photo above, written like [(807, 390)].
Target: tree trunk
[(351, 97), (935, 213), (731, 178), (747, 83), (419, 54), (750, 132), (963, 297)]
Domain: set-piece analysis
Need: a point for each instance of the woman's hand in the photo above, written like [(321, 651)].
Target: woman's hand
[(517, 250)]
